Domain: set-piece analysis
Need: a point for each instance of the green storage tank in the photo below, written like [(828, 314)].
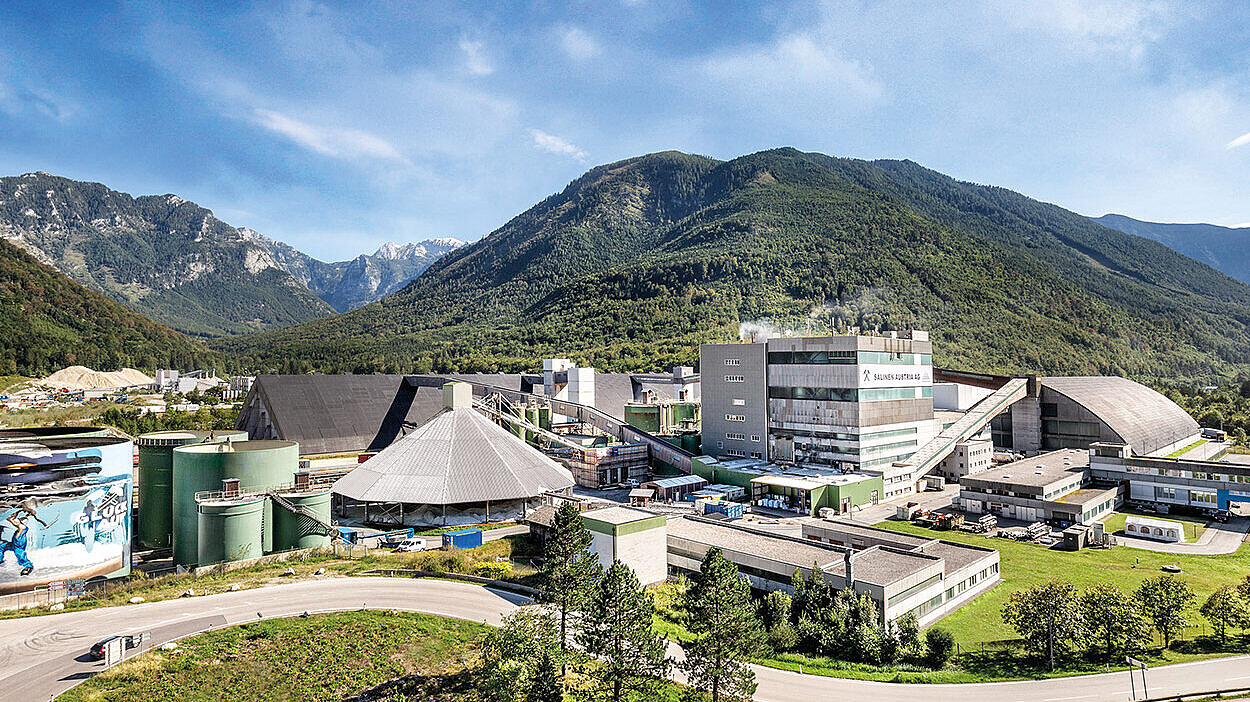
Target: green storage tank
[(292, 530), (258, 465), (28, 433), (644, 417), (544, 417), (230, 530), (156, 480), (690, 442)]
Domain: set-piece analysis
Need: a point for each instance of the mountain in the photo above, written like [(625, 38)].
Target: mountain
[(159, 255), (1223, 248), (346, 285), (635, 263), (48, 322)]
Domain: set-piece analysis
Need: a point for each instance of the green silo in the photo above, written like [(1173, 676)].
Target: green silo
[(230, 529), (156, 480), (258, 466), (644, 417), (292, 530), (544, 417)]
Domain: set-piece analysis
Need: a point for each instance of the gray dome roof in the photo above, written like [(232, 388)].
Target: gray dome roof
[(1142, 418), (458, 456)]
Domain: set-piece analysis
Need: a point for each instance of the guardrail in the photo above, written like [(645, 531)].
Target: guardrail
[(489, 582), (1212, 694)]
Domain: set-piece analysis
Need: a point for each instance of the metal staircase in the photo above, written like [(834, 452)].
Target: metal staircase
[(289, 506)]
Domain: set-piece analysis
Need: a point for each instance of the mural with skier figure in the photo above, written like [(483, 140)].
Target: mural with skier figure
[(64, 510)]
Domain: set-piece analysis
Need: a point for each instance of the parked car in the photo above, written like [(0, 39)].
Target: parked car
[(411, 545), (1220, 515)]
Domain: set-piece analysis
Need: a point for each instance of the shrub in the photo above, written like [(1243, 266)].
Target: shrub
[(939, 646), (495, 571)]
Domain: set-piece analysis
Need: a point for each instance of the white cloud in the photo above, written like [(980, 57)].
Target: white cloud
[(331, 141), (475, 59), (553, 144), (1239, 141), (578, 44), (797, 70), (1114, 26)]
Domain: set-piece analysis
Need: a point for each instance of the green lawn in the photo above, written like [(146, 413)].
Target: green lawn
[(1194, 526), (1182, 451), (1024, 565), (329, 656), (322, 657)]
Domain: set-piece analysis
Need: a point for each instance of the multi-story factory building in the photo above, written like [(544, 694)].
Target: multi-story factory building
[(852, 403)]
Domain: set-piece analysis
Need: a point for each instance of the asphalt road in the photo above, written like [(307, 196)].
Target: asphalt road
[(43, 656)]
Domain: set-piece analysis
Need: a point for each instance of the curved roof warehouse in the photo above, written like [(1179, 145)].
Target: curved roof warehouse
[(459, 457), (1128, 413)]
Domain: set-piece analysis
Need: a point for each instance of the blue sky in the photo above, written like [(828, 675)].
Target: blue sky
[(337, 126)]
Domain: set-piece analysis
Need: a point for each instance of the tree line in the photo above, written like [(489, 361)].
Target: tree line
[(1055, 620)]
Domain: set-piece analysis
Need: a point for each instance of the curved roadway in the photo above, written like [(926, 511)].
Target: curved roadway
[(43, 656)]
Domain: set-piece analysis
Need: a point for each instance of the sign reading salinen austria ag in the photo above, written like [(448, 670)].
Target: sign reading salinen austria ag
[(894, 376)]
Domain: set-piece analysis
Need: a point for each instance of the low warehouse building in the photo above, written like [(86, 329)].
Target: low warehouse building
[(1052, 487), (902, 574), (675, 488), (631, 536), (457, 468)]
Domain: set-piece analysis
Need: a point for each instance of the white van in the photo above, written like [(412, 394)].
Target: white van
[(411, 545)]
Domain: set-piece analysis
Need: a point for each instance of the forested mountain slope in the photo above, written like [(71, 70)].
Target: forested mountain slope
[(635, 263), (48, 322), (1223, 248)]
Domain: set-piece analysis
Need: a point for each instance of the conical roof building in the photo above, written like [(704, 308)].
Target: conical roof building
[(458, 457)]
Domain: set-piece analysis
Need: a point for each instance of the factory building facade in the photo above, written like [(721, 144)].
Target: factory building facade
[(848, 403)]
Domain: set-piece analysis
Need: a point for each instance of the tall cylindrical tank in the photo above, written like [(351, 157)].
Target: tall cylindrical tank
[(544, 417), (292, 530), (37, 433), (156, 480), (258, 465), (230, 529), (65, 508)]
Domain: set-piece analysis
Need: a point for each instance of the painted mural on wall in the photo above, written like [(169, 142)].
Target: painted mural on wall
[(64, 511)]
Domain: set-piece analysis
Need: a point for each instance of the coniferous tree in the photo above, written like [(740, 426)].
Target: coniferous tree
[(545, 685), (723, 616), (616, 628), (569, 570)]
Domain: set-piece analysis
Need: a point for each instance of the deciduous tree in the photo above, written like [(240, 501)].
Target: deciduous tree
[(1225, 608), (1048, 618), (1165, 600), (1112, 617)]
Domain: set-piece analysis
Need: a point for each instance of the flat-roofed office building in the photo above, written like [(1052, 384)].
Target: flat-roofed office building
[(846, 402)]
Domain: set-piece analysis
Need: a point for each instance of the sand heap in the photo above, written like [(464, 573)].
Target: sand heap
[(83, 378)]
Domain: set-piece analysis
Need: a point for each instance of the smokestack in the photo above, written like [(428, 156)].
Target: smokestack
[(850, 569)]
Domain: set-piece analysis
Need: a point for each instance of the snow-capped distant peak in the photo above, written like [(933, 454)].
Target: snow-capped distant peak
[(393, 252)]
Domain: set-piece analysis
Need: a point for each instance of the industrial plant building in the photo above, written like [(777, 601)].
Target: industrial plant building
[(634, 537), (927, 577), (459, 467), (1053, 487)]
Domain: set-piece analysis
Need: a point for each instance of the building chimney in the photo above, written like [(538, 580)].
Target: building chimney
[(850, 569)]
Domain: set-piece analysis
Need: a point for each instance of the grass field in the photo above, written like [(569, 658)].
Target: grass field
[(1024, 565), (172, 586), (1186, 449), (1194, 526), (322, 657)]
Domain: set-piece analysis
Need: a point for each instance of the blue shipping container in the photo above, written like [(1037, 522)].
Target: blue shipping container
[(463, 538), (733, 510)]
